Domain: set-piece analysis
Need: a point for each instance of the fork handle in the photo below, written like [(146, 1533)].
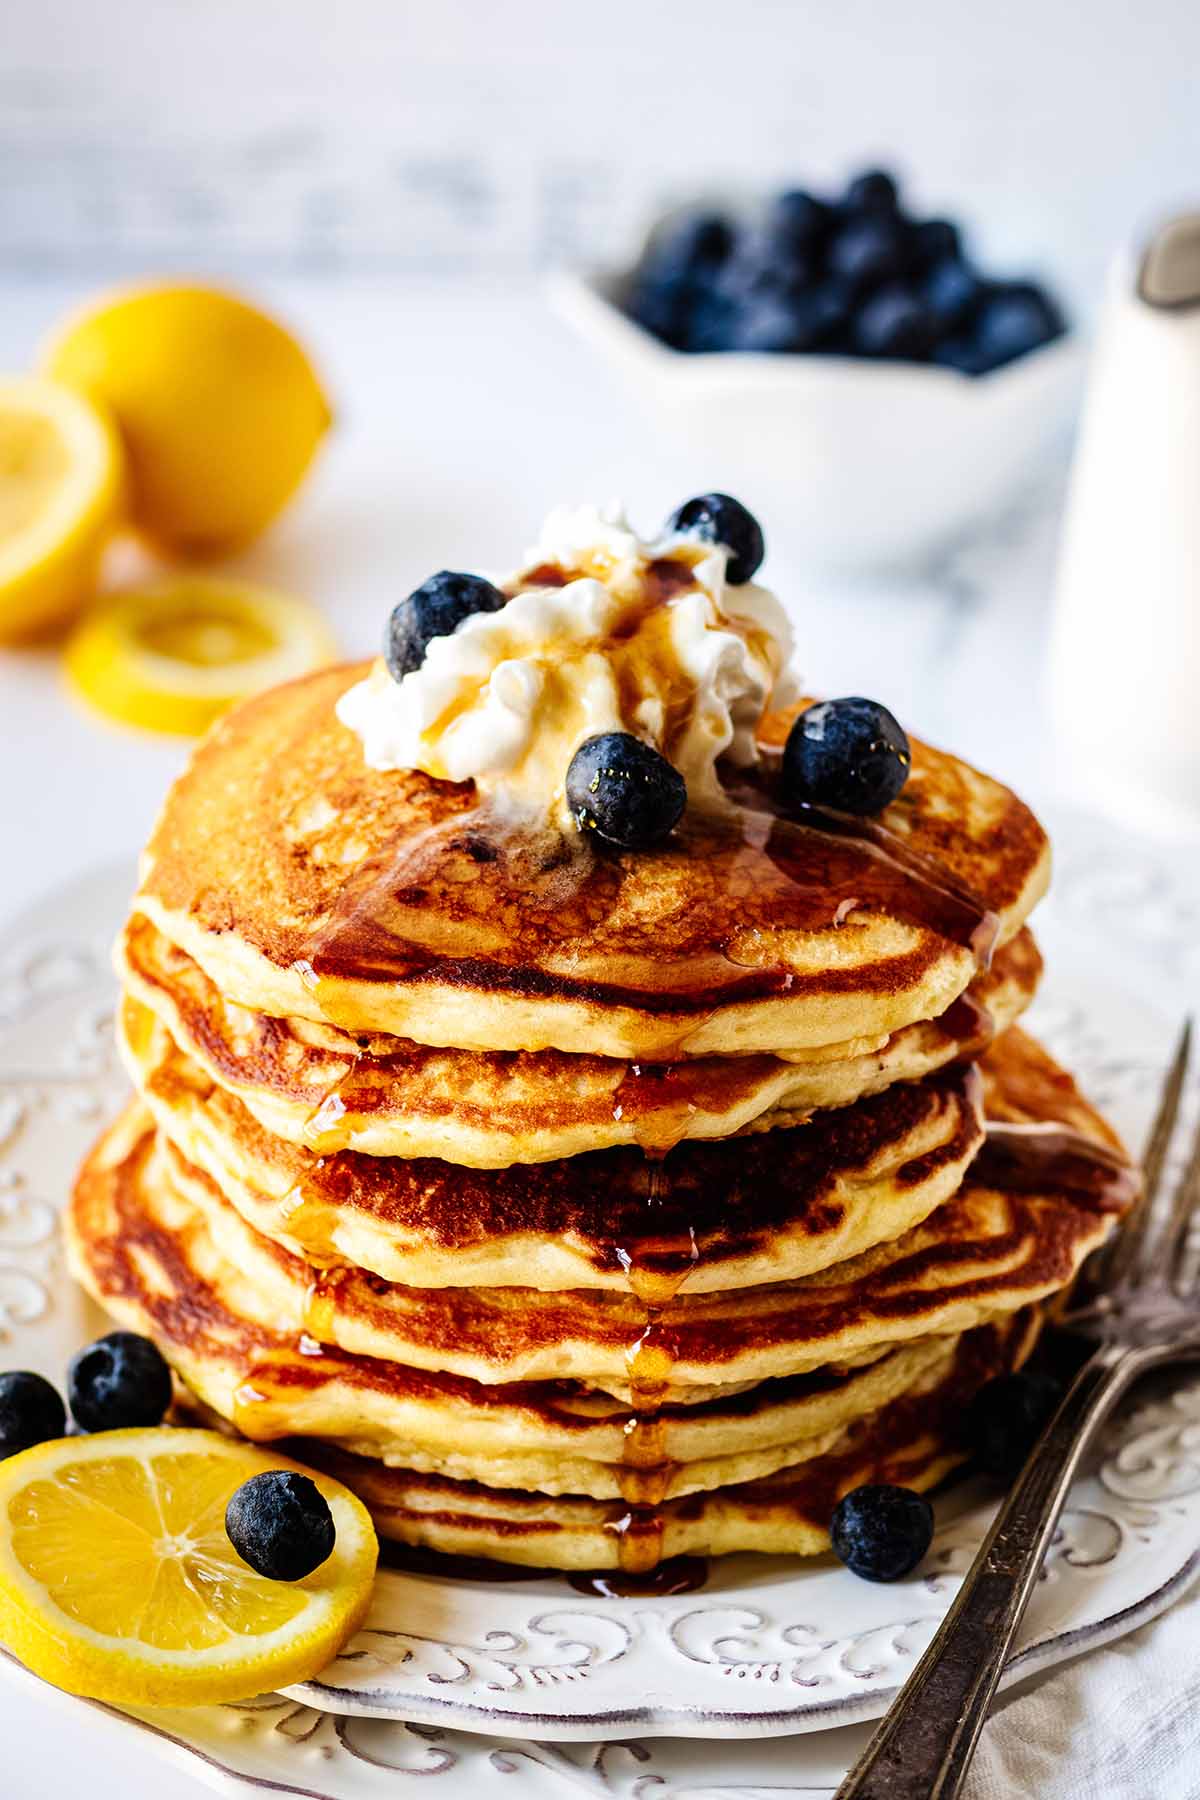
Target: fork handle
[(923, 1746)]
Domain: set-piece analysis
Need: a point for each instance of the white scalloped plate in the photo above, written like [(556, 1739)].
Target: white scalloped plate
[(770, 1646)]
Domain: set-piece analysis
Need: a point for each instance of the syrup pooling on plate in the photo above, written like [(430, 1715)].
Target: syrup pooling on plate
[(676, 1575)]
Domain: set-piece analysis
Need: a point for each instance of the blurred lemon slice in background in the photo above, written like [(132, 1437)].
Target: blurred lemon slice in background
[(176, 655), (219, 407), (61, 484), (117, 1578)]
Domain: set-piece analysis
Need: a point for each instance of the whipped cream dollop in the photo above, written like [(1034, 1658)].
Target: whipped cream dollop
[(603, 632)]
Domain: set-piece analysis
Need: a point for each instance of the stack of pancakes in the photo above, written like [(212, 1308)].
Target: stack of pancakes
[(585, 1208)]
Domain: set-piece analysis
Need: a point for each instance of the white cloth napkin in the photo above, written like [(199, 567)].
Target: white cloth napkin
[(1117, 1724)]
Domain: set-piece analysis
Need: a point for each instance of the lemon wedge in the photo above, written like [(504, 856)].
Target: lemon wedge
[(61, 487), (117, 1579), (176, 655)]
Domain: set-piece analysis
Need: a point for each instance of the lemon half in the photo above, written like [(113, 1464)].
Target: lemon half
[(117, 1578), (61, 486), (174, 656), (219, 407)]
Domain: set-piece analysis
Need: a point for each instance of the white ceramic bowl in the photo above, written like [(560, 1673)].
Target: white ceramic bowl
[(875, 462)]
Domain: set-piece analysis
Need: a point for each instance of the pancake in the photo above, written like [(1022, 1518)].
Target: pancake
[(307, 885), (320, 1087), (151, 1258), (1015, 1233), (915, 1441), (723, 1214)]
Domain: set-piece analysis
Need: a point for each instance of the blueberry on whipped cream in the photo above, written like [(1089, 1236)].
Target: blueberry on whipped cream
[(624, 791), (434, 610), (720, 519), (848, 754), (599, 631)]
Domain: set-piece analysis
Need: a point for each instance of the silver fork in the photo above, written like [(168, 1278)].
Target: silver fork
[(1138, 1303)]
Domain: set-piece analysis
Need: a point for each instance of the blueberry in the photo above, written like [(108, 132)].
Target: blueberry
[(709, 324), (662, 310), (31, 1410), (869, 249), (767, 325), (799, 218), (762, 265), (118, 1381), (431, 611), (1013, 320), (280, 1523), (719, 519), (624, 791), (881, 1532), (811, 321), (872, 191), (961, 353), (952, 291), (847, 754), (686, 247), (1007, 1417), (935, 241), (894, 322)]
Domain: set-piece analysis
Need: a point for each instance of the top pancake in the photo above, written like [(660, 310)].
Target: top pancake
[(307, 885)]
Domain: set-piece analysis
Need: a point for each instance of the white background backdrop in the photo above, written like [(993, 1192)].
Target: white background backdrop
[(395, 174), (471, 136)]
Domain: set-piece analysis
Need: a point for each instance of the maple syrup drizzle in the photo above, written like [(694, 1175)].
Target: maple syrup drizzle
[(1035, 1158), (500, 894), (656, 1267), (967, 1023)]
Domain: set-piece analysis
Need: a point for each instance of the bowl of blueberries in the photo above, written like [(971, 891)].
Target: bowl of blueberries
[(844, 354)]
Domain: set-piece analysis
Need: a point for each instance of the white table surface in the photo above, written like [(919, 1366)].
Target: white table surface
[(461, 419)]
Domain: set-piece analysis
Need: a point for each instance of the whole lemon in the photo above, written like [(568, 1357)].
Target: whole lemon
[(219, 408)]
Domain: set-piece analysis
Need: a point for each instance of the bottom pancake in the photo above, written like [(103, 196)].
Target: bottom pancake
[(914, 1441)]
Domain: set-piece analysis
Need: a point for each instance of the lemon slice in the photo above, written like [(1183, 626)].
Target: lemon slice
[(175, 656), (61, 487), (117, 1579)]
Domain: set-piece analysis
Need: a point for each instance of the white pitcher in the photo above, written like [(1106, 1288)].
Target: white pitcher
[(1125, 660)]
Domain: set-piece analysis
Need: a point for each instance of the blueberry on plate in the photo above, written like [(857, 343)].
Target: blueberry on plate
[(720, 519), (434, 610), (881, 1532), (31, 1411), (872, 191), (870, 248), (1007, 1417), (120, 1380), (951, 290), (1013, 320), (280, 1523), (850, 754), (894, 322), (623, 790)]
